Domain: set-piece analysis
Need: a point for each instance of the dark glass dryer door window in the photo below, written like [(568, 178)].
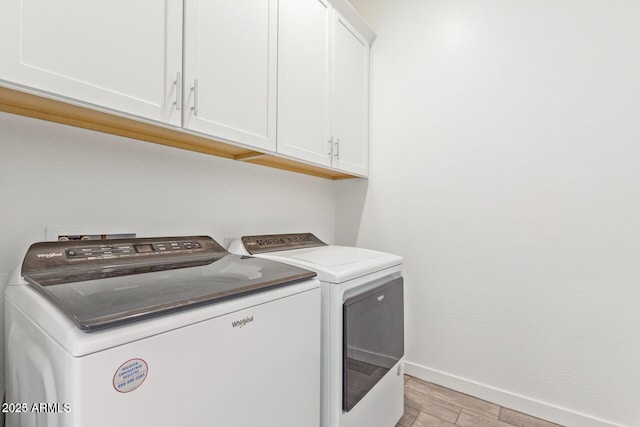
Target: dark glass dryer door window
[(373, 338)]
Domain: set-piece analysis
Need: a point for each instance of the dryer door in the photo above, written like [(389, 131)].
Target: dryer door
[(373, 338)]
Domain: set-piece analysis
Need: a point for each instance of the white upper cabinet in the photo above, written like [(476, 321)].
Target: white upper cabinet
[(283, 77), (304, 129), (119, 54), (230, 70), (350, 120), (323, 84)]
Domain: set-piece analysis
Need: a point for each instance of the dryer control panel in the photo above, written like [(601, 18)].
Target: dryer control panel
[(280, 242)]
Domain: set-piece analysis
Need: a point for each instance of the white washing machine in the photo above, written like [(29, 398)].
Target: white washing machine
[(362, 325), (160, 332)]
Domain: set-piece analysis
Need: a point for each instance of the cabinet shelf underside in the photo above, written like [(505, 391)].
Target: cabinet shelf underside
[(29, 105)]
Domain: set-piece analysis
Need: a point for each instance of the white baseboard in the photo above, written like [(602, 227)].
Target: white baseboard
[(507, 399)]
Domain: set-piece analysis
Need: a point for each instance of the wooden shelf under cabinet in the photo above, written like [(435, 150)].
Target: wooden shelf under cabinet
[(29, 105)]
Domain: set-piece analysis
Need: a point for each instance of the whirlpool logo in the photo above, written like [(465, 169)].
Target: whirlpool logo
[(240, 323), (49, 255)]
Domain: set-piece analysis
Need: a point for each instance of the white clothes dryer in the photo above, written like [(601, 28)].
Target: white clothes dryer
[(362, 325), (160, 332)]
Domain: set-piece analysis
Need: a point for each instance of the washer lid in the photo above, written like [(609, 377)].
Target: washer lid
[(102, 291), (337, 264)]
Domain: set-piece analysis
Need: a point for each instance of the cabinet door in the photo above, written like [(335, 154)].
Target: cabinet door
[(350, 98), (304, 126), (117, 54), (230, 70)]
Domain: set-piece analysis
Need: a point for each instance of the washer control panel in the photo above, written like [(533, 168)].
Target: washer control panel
[(48, 256), (103, 251)]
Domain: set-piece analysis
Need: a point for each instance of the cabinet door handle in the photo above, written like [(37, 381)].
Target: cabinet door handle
[(336, 151), (330, 147), (194, 89), (178, 83)]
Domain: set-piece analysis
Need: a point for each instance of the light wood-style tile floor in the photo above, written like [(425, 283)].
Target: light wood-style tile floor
[(431, 405)]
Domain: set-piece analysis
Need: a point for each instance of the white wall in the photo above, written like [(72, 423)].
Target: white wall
[(505, 168), (54, 175)]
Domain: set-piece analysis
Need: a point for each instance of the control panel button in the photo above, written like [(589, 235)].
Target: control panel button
[(192, 245)]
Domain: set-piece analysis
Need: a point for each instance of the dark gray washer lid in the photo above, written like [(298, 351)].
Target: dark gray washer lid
[(120, 299)]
